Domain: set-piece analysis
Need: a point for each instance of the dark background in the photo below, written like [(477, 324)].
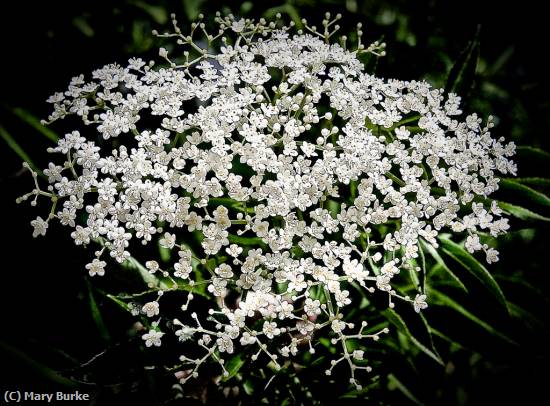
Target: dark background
[(47, 324)]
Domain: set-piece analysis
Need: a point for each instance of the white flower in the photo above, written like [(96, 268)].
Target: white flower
[(342, 297), (419, 303), (247, 339), (354, 269), (225, 344), (81, 235), (163, 53), (185, 333), (234, 250), (224, 271), (152, 338), (152, 266), (305, 327), (383, 282), (238, 26), (312, 307), (270, 329), (182, 269), (261, 228), (338, 326), (96, 267), (136, 63), (40, 227), (151, 309), (53, 172), (134, 308), (472, 243), (358, 355), (193, 221), (168, 241), (389, 269), (286, 310), (492, 255), (67, 217)]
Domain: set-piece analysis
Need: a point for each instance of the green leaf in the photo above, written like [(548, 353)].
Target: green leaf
[(326, 343), (353, 189), (246, 7), (158, 283), (24, 360), (165, 253), (454, 344), (246, 241), (433, 252), (223, 201), (461, 76), (413, 119), (439, 299), (96, 314), (286, 9), (192, 8), (521, 212), (501, 62), (394, 383), (17, 149), (233, 366), (528, 318), (397, 321), (150, 279), (540, 182), (333, 207), (248, 387), (319, 361), (83, 26), (520, 282), (517, 188), (423, 270), (464, 258), (529, 151), (429, 333), (157, 13), (119, 302), (36, 124)]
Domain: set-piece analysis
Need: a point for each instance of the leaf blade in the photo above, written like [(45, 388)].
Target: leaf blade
[(398, 321), (530, 193), (233, 366), (433, 252), (534, 181), (534, 151), (15, 147), (472, 265), (521, 212), (35, 123), (462, 73), (440, 299), (397, 384), (96, 314)]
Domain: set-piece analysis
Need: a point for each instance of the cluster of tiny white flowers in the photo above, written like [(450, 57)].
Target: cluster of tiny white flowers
[(346, 172)]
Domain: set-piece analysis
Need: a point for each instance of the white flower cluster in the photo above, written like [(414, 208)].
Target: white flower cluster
[(299, 176)]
